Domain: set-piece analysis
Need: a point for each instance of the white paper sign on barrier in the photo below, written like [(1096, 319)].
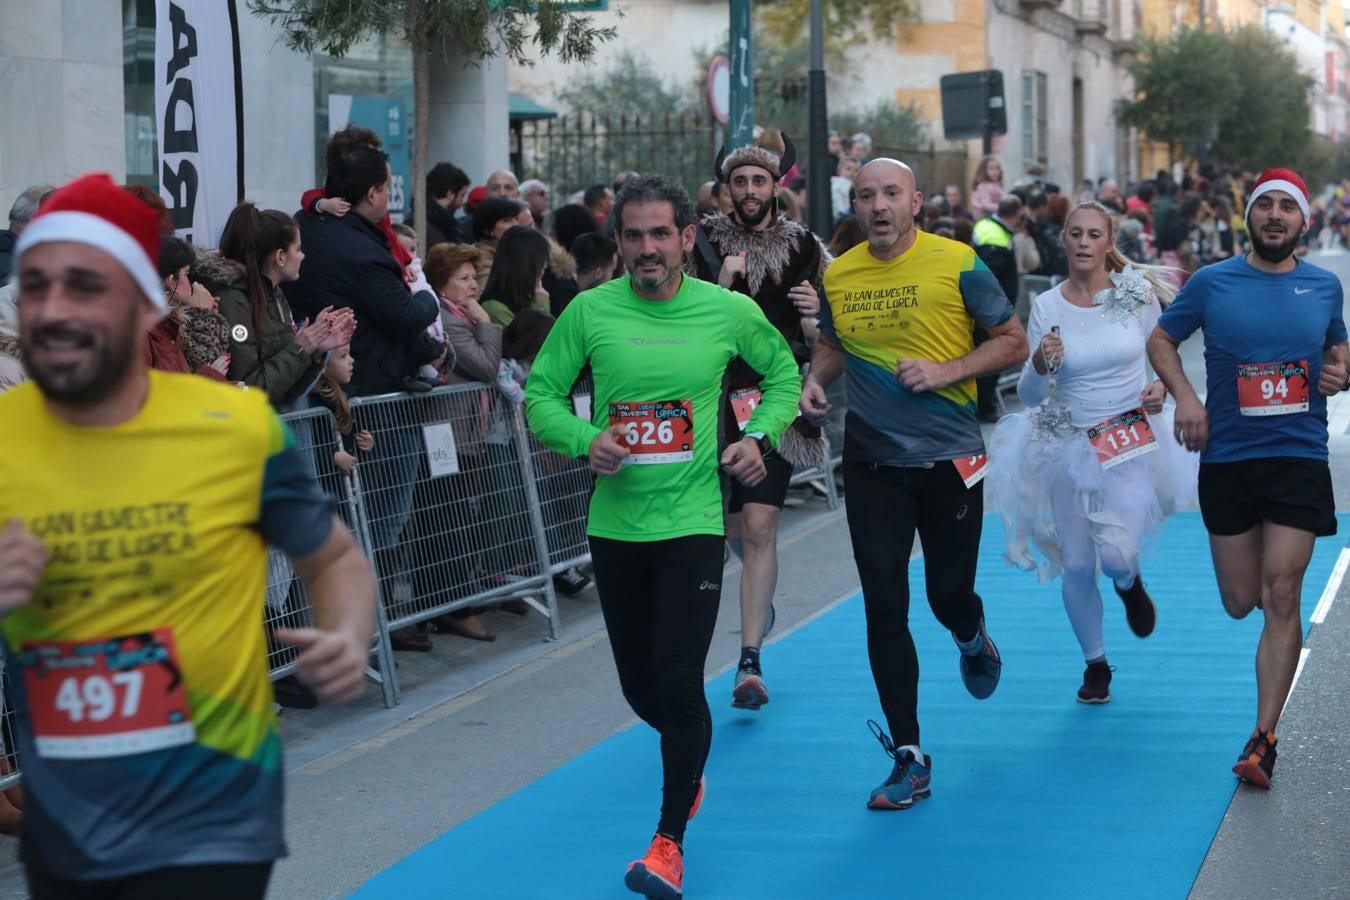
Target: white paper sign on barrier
[(442, 457), (581, 405)]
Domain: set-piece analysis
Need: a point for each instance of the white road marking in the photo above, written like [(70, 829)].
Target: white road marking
[(1319, 614), (1302, 658)]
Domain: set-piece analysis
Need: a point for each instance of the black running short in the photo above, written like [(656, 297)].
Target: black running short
[(772, 491), (1288, 491), (218, 881)]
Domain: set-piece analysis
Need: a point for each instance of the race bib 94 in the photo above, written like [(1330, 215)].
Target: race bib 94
[(108, 697), (656, 431), (1273, 389)]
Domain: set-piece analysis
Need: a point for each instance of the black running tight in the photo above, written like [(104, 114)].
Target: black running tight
[(660, 602), (886, 504)]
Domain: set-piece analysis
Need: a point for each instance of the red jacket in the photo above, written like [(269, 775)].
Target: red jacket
[(162, 351)]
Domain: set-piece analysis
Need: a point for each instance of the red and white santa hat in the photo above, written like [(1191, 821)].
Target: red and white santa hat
[(1286, 180), (93, 210)]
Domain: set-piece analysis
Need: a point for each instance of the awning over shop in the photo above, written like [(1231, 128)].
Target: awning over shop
[(522, 109)]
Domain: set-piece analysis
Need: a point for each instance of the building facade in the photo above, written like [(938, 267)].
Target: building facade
[(1062, 65), (79, 96), (1314, 31)]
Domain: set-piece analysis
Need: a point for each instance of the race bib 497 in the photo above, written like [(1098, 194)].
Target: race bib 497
[(107, 697)]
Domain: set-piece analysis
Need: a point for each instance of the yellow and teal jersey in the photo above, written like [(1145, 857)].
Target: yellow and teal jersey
[(924, 304), (143, 709)]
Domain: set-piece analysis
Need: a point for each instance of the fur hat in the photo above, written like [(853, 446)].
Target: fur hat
[(752, 155)]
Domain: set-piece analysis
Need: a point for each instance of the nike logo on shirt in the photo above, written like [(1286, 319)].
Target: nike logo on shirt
[(1301, 291)]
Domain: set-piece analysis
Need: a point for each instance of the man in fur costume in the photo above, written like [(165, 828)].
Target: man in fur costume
[(756, 251)]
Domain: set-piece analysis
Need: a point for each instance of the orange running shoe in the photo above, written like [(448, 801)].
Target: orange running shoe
[(1257, 762), (659, 874)]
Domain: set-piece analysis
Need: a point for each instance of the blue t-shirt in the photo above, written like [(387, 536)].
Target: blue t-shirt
[(1249, 316)]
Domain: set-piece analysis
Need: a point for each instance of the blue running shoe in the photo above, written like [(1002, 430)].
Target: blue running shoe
[(909, 780), (981, 665)]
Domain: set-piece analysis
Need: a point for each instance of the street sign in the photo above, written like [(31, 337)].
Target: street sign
[(719, 89), (972, 105)]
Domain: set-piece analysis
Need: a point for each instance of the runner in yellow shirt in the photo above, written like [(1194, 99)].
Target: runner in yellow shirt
[(139, 506)]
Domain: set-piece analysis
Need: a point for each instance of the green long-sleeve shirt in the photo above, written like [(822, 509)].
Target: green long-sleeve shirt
[(657, 366)]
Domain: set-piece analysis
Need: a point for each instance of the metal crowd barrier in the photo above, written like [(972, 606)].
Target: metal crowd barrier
[(449, 505), (564, 485), (833, 434), (9, 767), (287, 600), (1030, 287)]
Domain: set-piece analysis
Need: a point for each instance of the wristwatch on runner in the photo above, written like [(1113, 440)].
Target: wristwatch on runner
[(762, 440)]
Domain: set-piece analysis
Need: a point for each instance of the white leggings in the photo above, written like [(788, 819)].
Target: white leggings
[(1126, 499)]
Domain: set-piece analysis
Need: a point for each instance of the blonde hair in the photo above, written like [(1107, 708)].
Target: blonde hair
[(1159, 277), (335, 398)]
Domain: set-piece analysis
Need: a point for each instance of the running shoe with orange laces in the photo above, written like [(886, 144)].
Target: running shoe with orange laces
[(659, 874), (1257, 762)]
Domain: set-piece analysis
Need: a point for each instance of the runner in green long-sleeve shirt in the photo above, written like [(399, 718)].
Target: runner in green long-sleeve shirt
[(658, 343)]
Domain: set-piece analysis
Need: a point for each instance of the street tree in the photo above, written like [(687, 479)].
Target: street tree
[(1229, 96), (1181, 88), (514, 29), (1270, 118)]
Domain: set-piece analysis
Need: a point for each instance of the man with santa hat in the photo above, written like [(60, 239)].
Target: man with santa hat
[(1275, 349), (137, 506)]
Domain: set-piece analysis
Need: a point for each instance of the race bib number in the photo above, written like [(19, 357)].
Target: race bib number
[(971, 468), (1122, 437), (743, 403), (657, 431), (1273, 389), (105, 698)]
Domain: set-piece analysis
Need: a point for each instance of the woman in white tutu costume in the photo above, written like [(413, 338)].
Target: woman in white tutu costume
[(1091, 468)]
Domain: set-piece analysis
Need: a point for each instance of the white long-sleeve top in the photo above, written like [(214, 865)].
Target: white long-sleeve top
[(1104, 369)]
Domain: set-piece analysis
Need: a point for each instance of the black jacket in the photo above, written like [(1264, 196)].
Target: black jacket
[(348, 264), (441, 226), (7, 241)]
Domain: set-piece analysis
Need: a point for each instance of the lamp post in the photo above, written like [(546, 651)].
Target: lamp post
[(818, 184)]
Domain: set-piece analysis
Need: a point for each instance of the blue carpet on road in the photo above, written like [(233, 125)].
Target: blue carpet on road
[(1034, 794)]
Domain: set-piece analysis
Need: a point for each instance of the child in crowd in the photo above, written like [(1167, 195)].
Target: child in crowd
[(328, 391), (407, 237)]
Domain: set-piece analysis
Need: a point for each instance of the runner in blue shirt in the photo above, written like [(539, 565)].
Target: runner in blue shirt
[(1275, 349)]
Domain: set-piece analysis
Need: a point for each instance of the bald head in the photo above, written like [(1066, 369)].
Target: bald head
[(884, 171), (888, 200), (503, 183)]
